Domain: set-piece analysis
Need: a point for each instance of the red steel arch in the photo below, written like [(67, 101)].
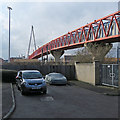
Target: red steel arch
[(106, 29)]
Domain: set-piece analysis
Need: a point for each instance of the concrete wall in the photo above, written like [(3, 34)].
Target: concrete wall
[(67, 70), (88, 72)]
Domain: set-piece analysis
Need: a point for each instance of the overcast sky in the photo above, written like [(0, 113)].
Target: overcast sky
[(50, 20)]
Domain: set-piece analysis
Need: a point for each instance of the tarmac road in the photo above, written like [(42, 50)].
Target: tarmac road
[(66, 102)]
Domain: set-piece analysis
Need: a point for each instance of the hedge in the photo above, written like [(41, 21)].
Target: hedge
[(8, 75)]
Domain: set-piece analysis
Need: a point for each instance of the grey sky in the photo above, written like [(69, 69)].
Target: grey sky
[(50, 20)]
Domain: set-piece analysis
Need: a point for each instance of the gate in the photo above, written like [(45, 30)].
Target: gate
[(109, 74)]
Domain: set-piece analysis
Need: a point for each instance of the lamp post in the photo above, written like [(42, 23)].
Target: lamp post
[(9, 8)]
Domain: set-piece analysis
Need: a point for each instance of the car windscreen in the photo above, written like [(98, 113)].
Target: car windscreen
[(56, 75), (32, 75)]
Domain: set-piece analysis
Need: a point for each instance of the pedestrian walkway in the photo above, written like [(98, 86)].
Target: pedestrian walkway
[(6, 98), (0, 100), (98, 88)]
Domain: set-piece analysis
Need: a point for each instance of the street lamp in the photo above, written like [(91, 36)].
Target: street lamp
[(9, 8)]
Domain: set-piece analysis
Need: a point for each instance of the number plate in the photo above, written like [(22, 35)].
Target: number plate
[(36, 88)]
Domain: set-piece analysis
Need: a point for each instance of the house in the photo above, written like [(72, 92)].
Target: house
[(69, 58)]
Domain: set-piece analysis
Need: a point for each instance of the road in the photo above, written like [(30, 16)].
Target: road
[(66, 102)]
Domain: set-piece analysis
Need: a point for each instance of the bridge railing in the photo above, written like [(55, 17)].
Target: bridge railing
[(95, 31)]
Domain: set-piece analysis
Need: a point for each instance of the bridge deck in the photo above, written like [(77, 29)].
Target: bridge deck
[(105, 30)]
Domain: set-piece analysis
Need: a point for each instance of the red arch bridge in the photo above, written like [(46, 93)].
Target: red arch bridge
[(104, 30)]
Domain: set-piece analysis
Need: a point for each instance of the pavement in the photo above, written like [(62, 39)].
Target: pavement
[(6, 98), (7, 94), (98, 88), (0, 100)]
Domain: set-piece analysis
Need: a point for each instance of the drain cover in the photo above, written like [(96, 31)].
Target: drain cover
[(47, 98)]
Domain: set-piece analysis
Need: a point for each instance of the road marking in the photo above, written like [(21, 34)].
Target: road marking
[(47, 98)]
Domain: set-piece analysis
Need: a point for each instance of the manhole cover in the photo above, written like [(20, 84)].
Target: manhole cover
[(47, 98)]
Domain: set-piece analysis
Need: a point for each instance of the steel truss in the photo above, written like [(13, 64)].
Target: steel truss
[(106, 29)]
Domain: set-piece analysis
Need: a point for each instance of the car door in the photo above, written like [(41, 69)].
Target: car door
[(49, 78), (46, 78), (19, 80)]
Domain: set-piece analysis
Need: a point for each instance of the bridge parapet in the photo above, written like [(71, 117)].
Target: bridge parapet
[(106, 30)]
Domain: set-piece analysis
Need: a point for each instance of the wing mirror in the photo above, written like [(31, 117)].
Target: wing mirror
[(18, 77), (44, 77)]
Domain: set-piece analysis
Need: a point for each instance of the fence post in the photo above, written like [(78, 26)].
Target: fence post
[(118, 52), (119, 82)]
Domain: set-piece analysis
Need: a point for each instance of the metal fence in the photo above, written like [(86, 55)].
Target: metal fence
[(110, 74), (118, 53)]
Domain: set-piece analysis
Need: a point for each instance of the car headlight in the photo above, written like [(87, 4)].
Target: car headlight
[(65, 78), (44, 82), (24, 83)]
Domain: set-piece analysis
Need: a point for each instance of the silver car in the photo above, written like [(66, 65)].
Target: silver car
[(30, 81), (56, 78)]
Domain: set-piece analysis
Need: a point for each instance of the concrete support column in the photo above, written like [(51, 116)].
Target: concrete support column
[(98, 50), (97, 72), (57, 54)]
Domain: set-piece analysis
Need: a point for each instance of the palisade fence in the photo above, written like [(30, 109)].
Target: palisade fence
[(67, 70), (110, 74)]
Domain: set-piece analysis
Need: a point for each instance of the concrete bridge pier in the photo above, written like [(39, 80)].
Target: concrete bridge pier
[(98, 50), (57, 54)]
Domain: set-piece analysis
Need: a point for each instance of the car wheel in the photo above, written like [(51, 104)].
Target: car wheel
[(50, 83), (17, 86), (22, 92), (45, 91)]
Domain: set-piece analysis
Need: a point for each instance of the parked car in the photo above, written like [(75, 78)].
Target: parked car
[(56, 78), (30, 81)]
